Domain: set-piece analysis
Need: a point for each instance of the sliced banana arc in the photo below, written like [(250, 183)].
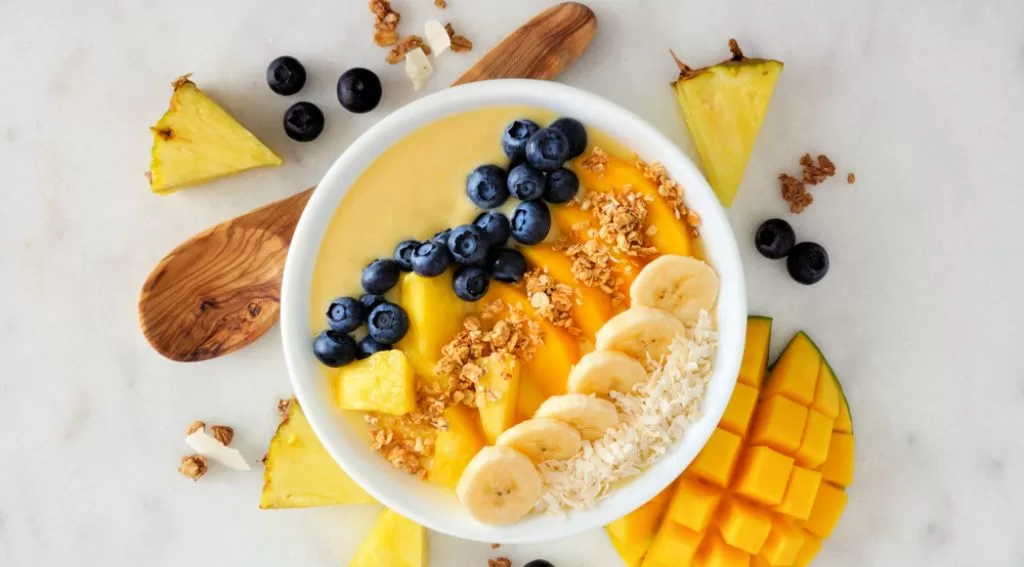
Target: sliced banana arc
[(590, 416), (604, 371), (499, 486), (681, 285), (640, 332), (543, 439)]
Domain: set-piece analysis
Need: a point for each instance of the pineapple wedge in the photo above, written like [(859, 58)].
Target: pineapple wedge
[(498, 403), (299, 473), (455, 446), (196, 141), (385, 383), (393, 542), (724, 106)]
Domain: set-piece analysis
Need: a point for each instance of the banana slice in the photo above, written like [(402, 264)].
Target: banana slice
[(681, 285), (589, 415), (644, 333), (499, 486), (542, 439), (604, 371)]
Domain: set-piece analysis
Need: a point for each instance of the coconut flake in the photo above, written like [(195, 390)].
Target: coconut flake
[(437, 37), (418, 68), (207, 446)]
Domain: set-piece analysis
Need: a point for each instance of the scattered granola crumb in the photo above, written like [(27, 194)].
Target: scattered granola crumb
[(596, 162), (195, 426), (223, 434), (794, 190), (460, 43), (552, 300), (441, 4), (795, 193), (397, 53), (499, 562), (851, 178), (193, 466), (385, 22), (385, 38), (815, 173), (495, 546)]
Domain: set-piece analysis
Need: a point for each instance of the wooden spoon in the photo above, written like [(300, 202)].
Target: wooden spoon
[(221, 289)]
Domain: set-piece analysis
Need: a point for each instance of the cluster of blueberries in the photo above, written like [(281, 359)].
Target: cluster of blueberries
[(807, 262)]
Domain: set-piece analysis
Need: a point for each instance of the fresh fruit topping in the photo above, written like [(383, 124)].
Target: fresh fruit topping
[(539, 563), (470, 283), (562, 185), (644, 333), (431, 259), (724, 106), (455, 446), (435, 316), (418, 68), (384, 382), (500, 381), (590, 416), (394, 540), (517, 133), (525, 182), (303, 121), (506, 265), (403, 254), (495, 226), (680, 285), (468, 245), (441, 237), (437, 37), (807, 262), (359, 90), (542, 439), (380, 276), (547, 149), (345, 314), (602, 372), (499, 486), (774, 238), (574, 132), (370, 301), (334, 349), (531, 222), (487, 186), (286, 76), (368, 346), (388, 323), (196, 141)]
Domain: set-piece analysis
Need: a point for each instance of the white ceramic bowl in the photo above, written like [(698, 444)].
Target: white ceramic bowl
[(436, 508)]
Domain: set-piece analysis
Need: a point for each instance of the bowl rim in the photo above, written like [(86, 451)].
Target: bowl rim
[(429, 505)]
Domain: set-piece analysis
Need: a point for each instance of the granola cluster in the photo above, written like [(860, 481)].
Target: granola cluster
[(552, 300), (620, 219), (441, 4), (397, 53), (385, 22), (499, 562), (193, 466), (592, 266), (460, 43), (794, 191), (596, 161), (670, 190), (404, 453)]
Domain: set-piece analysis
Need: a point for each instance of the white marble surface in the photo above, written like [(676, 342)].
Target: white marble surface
[(920, 314)]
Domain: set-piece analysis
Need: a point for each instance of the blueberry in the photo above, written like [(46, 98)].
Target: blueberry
[(807, 263), (561, 187), (388, 323), (531, 222), (368, 347), (467, 244), (774, 238), (506, 265), (575, 132), (370, 301), (345, 314), (380, 276), (547, 149), (513, 141), (431, 259), (334, 349), (441, 237), (403, 254), (470, 283), (486, 186), (286, 76), (525, 182), (359, 90), (539, 563), (303, 121), (495, 226)]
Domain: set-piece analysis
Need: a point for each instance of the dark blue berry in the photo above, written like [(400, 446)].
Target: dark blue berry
[(441, 237), (525, 182), (403, 254), (539, 563), (561, 187), (334, 349), (388, 323), (774, 238), (575, 132), (380, 276), (368, 347), (506, 265), (487, 186), (513, 141), (470, 283), (359, 90), (431, 259), (467, 244), (345, 314), (495, 226), (286, 76), (531, 222), (807, 262), (547, 149), (303, 121), (370, 301)]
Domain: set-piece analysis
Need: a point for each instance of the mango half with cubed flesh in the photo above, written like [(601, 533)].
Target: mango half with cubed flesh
[(769, 485)]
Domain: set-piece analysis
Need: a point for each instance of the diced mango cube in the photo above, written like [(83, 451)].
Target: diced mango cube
[(779, 424), (632, 554), (844, 422), (762, 474), (693, 504), (384, 382), (828, 506), (435, 316), (801, 491), (795, 374), (740, 409), (639, 526), (743, 526), (811, 547), (838, 467), (755, 353), (498, 405), (826, 393), (456, 446), (714, 552), (673, 546), (783, 544), (814, 446), (716, 460)]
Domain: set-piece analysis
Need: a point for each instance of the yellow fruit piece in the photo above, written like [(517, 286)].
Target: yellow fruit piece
[(783, 544), (529, 399), (838, 467), (693, 504), (724, 106), (811, 547), (826, 393), (740, 409), (299, 473), (393, 542), (673, 546), (814, 446), (762, 474), (743, 526), (632, 554), (435, 316), (843, 423), (594, 306), (801, 490), (456, 446), (828, 506), (196, 141), (498, 402), (384, 382), (779, 424), (716, 460), (575, 224), (635, 531), (795, 374), (714, 552), (755, 351)]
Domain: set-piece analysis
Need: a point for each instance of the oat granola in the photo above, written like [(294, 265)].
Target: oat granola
[(440, 4), (670, 190), (816, 172), (397, 53), (620, 219), (552, 300), (851, 178), (193, 466), (592, 267), (794, 191), (499, 562), (596, 162), (385, 22)]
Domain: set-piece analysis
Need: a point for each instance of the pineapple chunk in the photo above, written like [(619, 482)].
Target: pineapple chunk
[(435, 316), (393, 542), (196, 141), (497, 402), (299, 473), (384, 382), (724, 106), (455, 447)]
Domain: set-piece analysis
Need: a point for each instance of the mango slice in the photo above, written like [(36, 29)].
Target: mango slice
[(383, 383), (593, 307), (498, 402), (456, 446), (394, 541)]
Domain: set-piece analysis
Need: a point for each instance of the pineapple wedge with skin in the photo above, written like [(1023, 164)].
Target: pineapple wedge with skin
[(384, 382), (394, 541), (497, 401), (724, 106), (196, 141)]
